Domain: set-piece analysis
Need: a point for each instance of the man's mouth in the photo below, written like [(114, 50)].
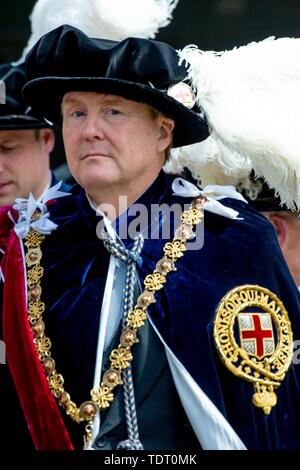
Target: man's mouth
[(94, 154), (4, 185)]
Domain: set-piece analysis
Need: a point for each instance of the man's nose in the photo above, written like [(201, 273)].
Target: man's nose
[(93, 128)]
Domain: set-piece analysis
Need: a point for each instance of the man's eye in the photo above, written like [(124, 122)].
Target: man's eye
[(77, 113), (5, 148), (112, 112)]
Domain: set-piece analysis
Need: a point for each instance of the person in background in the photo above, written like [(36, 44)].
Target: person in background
[(287, 227), (26, 142), (285, 222)]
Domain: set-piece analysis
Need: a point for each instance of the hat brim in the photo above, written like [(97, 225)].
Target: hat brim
[(19, 124), (45, 96), (268, 203)]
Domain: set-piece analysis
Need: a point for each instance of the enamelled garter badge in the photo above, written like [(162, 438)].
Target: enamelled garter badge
[(253, 336)]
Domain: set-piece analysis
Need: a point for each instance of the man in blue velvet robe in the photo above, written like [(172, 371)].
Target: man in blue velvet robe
[(213, 365)]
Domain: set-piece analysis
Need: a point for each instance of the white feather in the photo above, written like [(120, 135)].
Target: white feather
[(109, 19), (251, 98), (208, 165)]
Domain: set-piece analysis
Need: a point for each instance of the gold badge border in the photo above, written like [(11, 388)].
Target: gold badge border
[(271, 370)]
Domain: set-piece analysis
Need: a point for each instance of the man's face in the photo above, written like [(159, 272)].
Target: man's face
[(24, 163), (112, 142)]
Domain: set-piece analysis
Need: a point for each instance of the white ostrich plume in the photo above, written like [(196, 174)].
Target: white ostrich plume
[(251, 98), (108, 19), (208, 165)]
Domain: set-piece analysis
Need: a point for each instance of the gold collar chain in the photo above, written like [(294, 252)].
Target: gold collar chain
[(121, 357)]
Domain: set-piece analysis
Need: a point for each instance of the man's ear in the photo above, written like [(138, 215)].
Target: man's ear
[(282, 230), (48, 138), (166, 130)]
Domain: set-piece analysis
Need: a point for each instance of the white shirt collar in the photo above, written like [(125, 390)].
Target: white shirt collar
[(108, 223)]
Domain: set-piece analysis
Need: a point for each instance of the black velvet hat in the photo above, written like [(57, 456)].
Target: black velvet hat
[(267, 201), (138, 69), (261, 196), (14, 112)]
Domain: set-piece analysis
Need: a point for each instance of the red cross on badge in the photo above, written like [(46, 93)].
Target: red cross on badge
[(256, 334)]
